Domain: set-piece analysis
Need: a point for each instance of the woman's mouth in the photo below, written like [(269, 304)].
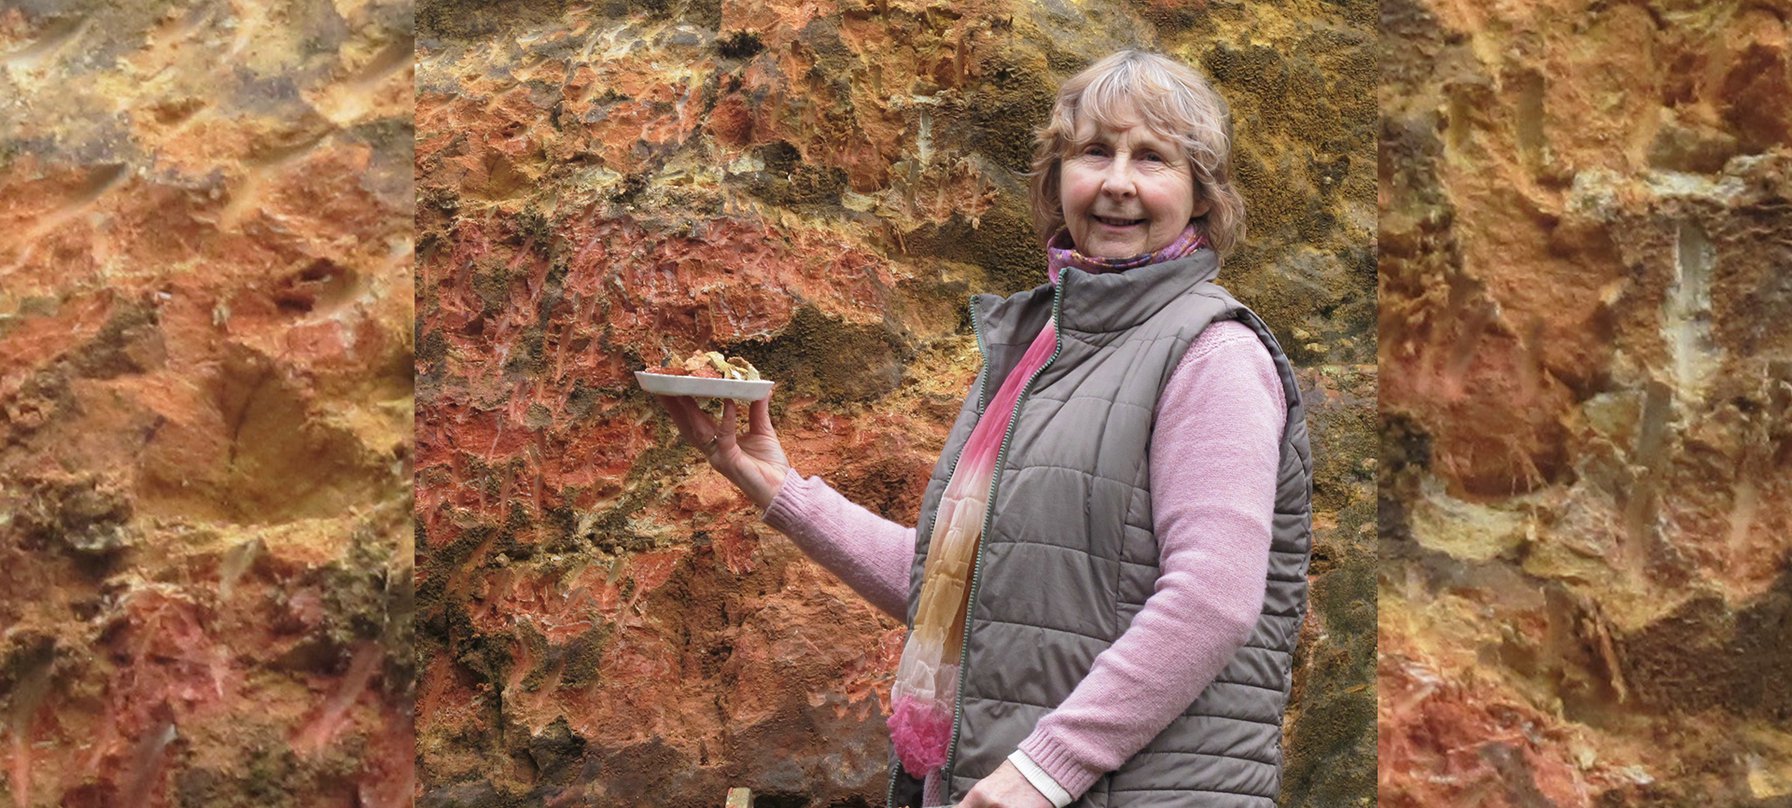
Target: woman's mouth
[(1115, 222)]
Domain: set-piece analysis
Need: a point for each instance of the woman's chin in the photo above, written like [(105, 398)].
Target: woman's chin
[(1108, 241), (1113, 248)]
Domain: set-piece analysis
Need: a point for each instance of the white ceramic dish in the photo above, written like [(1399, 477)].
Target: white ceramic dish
[(666, 385)]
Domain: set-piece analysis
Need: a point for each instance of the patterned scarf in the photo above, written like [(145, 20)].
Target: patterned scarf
[(1060, 252), (925, 694)]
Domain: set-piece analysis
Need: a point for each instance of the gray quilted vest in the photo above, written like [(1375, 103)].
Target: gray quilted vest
[(1068, 556)]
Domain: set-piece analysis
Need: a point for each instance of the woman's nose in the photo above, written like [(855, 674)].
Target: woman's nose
[(1118, 181)]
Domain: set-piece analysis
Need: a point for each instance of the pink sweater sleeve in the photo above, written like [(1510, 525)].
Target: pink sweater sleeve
[(873, 555), (1224, 408)]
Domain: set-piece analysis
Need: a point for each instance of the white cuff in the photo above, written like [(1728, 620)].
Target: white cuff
[(1040, 779)]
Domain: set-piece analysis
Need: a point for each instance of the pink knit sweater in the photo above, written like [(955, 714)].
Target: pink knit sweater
[(1213, 477)]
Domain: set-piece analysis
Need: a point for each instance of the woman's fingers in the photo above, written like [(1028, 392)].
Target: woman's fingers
[(716, 438), (759, 416), (727, 426), (757, 468), (694, 425)]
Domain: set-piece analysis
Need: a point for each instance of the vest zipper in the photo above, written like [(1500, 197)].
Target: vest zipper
[(988, 518), (890, 793), (989, 512)]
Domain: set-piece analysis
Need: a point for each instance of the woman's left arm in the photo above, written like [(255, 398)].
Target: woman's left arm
[(1214, 455)]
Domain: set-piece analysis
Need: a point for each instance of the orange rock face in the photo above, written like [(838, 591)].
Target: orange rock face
[(1584, 391), (205, 404), (817, 188)]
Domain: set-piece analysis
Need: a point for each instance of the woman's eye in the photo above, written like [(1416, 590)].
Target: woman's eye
[(1095, 150)]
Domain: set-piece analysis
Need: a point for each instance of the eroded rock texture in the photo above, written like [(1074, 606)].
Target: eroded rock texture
[(817, 187), (1587, 369), (205, 404)]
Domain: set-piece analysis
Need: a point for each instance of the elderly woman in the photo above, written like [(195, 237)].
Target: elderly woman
[(1109, 576)]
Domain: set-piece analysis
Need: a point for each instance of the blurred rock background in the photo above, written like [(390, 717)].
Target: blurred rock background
[(1586, 374), (818, 187), (205, 403)]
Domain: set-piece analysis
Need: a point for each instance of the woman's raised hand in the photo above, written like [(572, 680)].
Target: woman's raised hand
[(753, 461)]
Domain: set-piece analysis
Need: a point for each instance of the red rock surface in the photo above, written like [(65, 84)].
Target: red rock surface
[(205, 404), (818, 188), (1586, 362)]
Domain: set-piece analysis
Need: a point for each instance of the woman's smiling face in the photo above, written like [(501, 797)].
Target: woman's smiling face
[(1125, 191)]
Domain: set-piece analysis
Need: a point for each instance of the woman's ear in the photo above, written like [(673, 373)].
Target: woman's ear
[(1202, 203)]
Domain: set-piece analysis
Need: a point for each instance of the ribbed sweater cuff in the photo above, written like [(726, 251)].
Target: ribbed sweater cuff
[(787, 508), (773, 509), (1060, 762)]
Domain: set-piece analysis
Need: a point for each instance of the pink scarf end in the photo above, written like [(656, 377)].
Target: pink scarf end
[(920, 733)]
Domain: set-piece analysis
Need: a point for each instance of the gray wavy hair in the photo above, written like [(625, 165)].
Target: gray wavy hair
[(1173, 101)]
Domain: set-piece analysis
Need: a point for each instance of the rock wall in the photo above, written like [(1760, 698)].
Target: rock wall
[(817, 187), (1586, 374), (205, 404)]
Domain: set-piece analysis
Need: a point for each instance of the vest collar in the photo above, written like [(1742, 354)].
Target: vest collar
[(1094, 302)]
